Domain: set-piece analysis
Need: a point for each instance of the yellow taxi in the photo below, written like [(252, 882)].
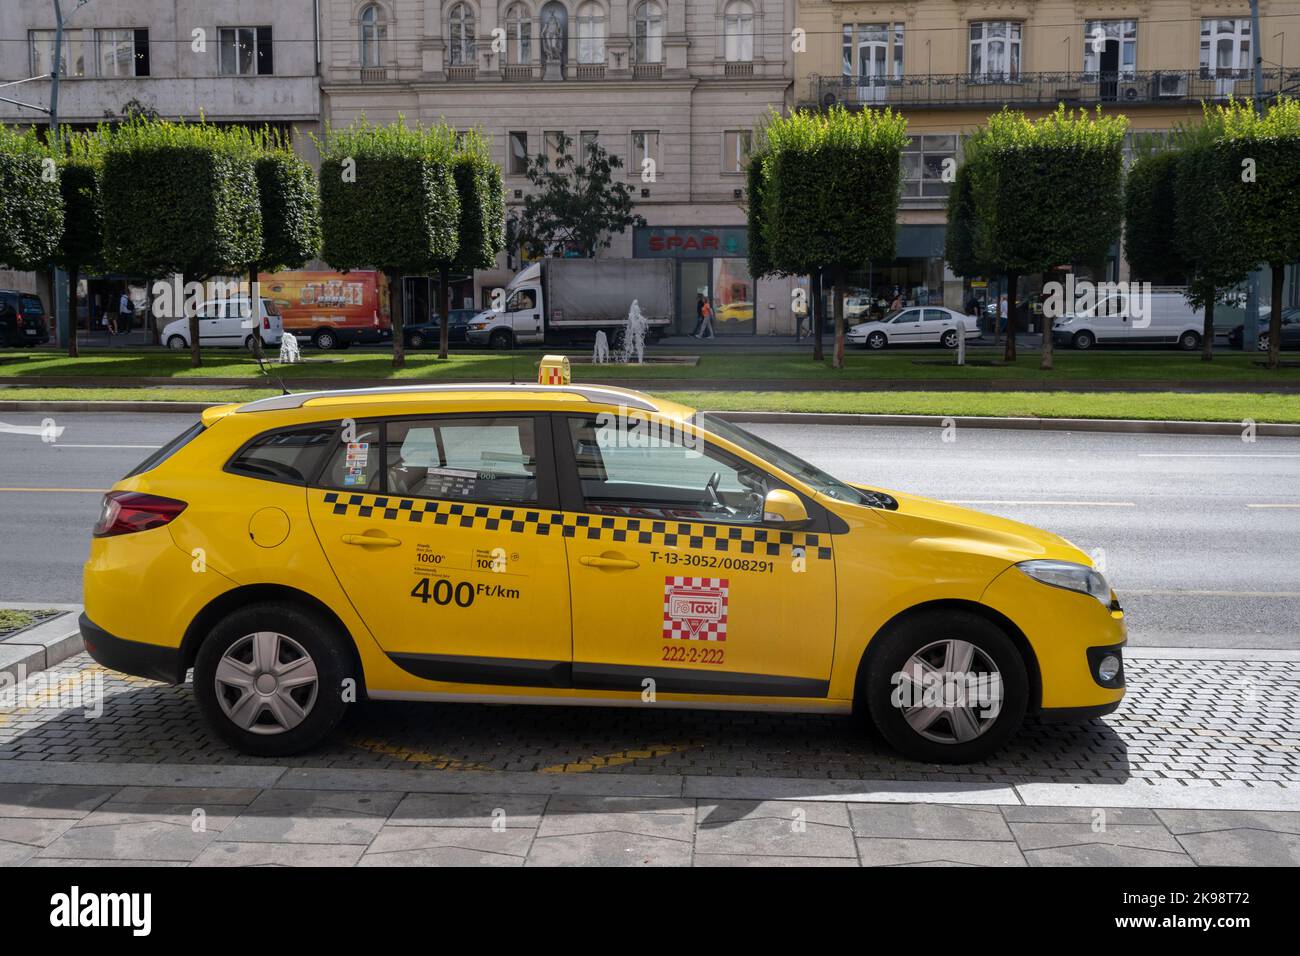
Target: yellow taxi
[(566, 544)]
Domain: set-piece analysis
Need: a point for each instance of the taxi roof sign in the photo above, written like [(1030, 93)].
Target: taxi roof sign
[(553, 370)]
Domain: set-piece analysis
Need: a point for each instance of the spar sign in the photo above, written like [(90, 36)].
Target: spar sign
[(695, 609)]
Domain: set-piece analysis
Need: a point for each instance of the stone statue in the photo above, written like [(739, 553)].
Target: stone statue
[(552, 39)]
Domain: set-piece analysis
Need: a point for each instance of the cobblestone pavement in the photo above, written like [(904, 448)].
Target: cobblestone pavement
[(70, 825), (1202, 721)]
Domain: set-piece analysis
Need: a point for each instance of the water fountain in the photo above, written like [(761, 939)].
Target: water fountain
[(600, 354), (634, 335)]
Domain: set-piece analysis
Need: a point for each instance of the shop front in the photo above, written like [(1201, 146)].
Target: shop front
[(711, 264)]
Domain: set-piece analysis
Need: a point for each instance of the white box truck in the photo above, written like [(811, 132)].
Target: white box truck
[(565, 301)]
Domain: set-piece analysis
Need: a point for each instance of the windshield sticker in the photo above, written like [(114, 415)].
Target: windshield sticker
[(695, 609), (358, 452), (450, 482)]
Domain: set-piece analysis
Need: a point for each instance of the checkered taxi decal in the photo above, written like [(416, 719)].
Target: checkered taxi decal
[(695, 609), (668, 533)]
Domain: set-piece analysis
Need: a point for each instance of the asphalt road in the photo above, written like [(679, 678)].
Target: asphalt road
[(1200, 535)]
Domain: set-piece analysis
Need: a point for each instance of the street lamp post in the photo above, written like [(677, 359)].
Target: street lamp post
[(1250, 322)]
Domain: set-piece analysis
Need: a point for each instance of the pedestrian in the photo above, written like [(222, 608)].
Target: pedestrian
[(125, 309), (1002, 314), (897, 303), (704, 318)]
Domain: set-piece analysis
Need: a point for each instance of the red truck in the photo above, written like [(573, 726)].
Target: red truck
[(331, 309)]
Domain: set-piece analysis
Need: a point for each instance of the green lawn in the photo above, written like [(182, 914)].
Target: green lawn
[(1229, 367), (1178, 406)]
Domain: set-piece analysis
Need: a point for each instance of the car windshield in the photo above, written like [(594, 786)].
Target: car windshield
[(810, 475), (891, 316)]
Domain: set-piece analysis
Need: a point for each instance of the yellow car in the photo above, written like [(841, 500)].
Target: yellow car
[(736, 312), (568, 544)]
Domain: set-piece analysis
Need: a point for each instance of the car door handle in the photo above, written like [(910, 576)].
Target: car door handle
[(371, 540), (599, 561)]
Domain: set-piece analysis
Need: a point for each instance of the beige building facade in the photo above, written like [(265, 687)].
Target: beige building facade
[(948, 64), (671, 88)]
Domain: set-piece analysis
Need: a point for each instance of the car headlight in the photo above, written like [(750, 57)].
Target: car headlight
[(1065, 320), (1069, 575), (478, 325)]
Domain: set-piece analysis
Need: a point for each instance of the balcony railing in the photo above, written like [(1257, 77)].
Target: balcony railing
[(959, 90)]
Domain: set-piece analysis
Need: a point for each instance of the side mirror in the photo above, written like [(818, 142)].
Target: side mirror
[(784, 509)]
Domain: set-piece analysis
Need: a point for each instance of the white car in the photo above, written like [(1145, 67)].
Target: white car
[(1164, 318), (228, 322), (916, 325)]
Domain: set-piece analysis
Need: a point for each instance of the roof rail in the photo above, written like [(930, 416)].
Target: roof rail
[(592, 393)]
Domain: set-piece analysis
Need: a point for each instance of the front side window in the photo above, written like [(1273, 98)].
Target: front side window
[(460, 35), (491, 460), (291, 456), (738, 31), (995, 49), (591, 33), (648, 39), (634, 467)]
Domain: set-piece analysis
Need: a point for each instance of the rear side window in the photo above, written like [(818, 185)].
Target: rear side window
[(167, 450), (354, 465), (290, 455), (466, 459)]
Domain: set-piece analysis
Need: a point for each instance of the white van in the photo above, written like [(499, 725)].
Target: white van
[(228, 322), (1165, 319)]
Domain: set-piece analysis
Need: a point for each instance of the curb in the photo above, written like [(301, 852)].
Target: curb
[(1120, 425), (41, 647)]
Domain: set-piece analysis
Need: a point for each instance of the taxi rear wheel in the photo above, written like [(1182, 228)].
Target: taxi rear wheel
[(269, 679), (946, 687)]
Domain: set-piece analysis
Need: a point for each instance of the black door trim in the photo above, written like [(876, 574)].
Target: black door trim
[(515, 672)]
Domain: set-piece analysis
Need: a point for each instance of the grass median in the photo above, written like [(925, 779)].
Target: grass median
[(1175, 406), (792, 367)]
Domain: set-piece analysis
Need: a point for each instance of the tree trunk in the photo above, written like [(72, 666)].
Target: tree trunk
[(444, 306), (1046, 364), (817, 313), (151, 320), (196, 360), (398, 303), (1207, 329), (255, 305), (838, 361), (72, 311), (1275, 315), (1013, 280)]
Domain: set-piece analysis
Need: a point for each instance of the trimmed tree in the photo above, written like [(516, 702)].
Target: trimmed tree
[(389, 202), (1044, 192), (81, 243), (290, 204), (179, 198), (959, 239), (482, 225), (830, 195), (576, 204), (1258, 164), (31, 203)]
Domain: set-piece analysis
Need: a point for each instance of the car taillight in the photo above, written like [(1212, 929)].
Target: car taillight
[(126, 511), (266, 321)]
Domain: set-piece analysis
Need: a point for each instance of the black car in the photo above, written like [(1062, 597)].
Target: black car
[(22, 319), (1290, 331), (424, 335)]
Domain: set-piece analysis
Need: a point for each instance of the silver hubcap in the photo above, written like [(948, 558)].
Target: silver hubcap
[(950, 692), (266, 683)]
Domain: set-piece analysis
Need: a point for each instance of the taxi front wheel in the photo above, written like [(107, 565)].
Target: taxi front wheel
[(270, 679), (946, 687)]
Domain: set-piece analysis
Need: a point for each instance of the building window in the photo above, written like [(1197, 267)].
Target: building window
[(1226, 47), (645, 145), (735, 149), (244, 51), (551, 139), (517, 160), (586, 142), (995, 49), (738, 31), (373, 33), (648, 38), (924, 160), (460, 35), (1110, 46), (519, 35), (122, 53), (71, 63), (591, 33)]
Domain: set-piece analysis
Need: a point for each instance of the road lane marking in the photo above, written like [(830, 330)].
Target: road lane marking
[(1168, 592), (1217, 454), (1066, 504), (1274, 506), (619, 759), (59, 491)]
